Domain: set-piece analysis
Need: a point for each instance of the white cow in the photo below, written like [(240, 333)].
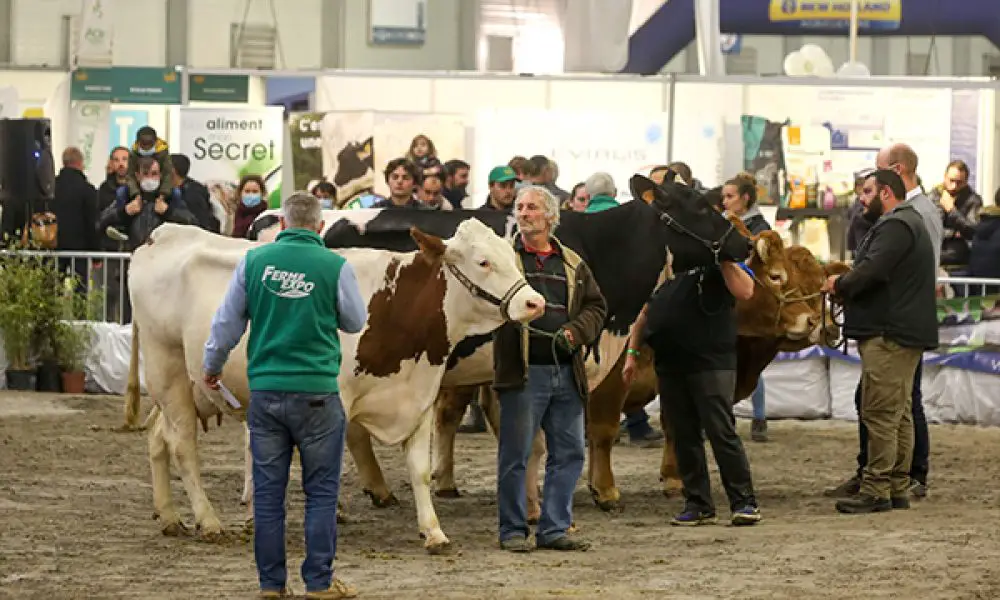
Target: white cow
[(420, 305)]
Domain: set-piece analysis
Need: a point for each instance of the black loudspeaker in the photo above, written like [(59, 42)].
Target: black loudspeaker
[(27, 170)]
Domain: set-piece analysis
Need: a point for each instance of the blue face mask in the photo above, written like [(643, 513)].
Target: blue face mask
[(251, 200), (149, 152), (326, 203)]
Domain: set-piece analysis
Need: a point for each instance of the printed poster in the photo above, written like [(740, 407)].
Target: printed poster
[(580, 142), (306, 138), (125, 124), (86, 132), (224, 144), (348, 152)]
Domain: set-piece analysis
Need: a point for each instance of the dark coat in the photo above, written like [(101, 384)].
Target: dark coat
[(139, 226), (75, 207), (586, 308)]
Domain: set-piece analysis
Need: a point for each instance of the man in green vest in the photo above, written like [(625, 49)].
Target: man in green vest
[(297, 294)]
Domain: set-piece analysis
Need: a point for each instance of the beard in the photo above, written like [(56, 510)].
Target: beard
[(874, 211)]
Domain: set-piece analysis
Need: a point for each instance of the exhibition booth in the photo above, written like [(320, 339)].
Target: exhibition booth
[(802, 140)]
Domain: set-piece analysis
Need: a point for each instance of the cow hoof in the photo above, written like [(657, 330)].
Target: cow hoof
[(672, 487), (448, 493), (211, 536), (572, 528), (386, 502), (609, 504), (174, 529), (438, 547)]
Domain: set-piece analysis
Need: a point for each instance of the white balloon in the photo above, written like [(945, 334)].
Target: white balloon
[(853, 69), (818, 62), (795, 65)]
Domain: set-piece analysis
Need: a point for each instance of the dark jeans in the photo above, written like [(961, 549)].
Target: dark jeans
[(548, 400), (921, 435), (637, 423), (692, 402), (315, 424)]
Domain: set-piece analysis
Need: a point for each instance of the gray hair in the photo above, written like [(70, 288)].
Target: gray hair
[(302, 210), (550, 202), (601, 184)]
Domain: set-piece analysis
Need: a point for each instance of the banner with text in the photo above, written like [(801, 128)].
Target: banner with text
[(88, 121), (305, 136), (224, 144), (580, 142)]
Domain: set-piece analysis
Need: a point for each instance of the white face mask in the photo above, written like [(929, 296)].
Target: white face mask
[(149, 185)]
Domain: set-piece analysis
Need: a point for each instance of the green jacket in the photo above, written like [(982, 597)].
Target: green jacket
[(291, 285), (599, 203)]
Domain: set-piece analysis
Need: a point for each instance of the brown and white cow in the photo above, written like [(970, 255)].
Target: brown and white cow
[(419, 303)]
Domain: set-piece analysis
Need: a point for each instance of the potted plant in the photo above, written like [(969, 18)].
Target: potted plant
[(74, 334), (47, 319), (22, 299)]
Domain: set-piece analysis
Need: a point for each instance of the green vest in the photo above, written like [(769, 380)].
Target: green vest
[(291, 285)]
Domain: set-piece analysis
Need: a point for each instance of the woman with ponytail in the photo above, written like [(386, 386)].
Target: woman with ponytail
[(739, 197)]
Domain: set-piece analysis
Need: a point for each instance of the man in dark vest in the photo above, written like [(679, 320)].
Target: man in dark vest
[(890, 309)]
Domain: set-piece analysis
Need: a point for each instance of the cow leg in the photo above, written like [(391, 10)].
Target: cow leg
[(359, 442), (449, 409), (159, 464), (418, 461), (670, 475), (181, 432), (531, 486), (604, 415)]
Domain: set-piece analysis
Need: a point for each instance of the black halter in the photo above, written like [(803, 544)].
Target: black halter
[(502, 303), (714, 247)]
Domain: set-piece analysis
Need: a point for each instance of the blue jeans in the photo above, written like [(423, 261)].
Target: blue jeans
[(315, 423), (757, 399), (637, 423), (548, 400)]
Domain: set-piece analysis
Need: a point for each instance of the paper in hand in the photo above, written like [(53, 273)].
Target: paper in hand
[(229, 397)]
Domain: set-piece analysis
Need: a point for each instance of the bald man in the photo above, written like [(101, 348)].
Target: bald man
[(903, 160), (75, 206)]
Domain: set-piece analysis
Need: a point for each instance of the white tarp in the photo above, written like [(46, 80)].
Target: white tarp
[(793, 389)]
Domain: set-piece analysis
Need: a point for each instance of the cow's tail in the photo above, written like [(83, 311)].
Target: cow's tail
[(132, 388)]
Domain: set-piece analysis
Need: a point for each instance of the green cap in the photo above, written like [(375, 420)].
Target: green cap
[(501, 174)]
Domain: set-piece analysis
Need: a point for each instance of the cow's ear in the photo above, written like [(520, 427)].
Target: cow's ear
[(760, 247), (644, 189), (431, 247)]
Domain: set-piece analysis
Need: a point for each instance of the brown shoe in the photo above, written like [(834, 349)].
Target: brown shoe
[(863, 504), (847, 489), (337, 590)]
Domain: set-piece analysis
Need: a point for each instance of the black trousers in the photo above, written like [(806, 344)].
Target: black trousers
[(921, 435), (690, 403)]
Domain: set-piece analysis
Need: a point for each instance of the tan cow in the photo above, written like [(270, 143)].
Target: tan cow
[(419, 305)]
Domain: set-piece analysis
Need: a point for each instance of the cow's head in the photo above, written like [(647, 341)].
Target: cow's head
[(696, 234), (486, 288), (779, 307), (807, 275)]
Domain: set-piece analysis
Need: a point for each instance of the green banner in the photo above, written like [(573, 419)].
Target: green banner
[(127, 85), (139, 85), (91, 85), (219, 88)]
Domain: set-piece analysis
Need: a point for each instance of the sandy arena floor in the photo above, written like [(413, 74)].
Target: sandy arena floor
[(76, 507)]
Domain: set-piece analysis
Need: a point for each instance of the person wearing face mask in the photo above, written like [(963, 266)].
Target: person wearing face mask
[(327, 194), (250, 195), (890, 309), (149, 145)]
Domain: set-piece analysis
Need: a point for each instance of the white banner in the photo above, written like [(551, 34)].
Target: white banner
[(89, 133), (224, 144), (9, 98), (94, 42), (580, 142)]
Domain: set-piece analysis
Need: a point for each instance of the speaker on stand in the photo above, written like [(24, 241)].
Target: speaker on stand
[(27, 172)]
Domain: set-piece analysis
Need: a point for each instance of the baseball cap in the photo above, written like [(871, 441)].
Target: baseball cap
[(501, 174)]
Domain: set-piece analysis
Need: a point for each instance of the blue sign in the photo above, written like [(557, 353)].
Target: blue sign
[(125, 124)]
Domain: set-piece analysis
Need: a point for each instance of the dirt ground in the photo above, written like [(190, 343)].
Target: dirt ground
[(76, 507)]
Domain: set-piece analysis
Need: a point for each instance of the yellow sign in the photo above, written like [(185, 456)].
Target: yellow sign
[(876, 12), (33, 113)]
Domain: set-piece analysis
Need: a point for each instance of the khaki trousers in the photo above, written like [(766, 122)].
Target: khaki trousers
[(886, 396)]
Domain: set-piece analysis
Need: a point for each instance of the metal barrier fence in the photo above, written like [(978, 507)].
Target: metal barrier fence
[(103, 271), (108, 272)]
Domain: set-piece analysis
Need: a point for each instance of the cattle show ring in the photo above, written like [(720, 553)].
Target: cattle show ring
[(134, 484)]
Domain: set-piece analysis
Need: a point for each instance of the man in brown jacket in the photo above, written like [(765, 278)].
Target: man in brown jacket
[(539, 374)]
